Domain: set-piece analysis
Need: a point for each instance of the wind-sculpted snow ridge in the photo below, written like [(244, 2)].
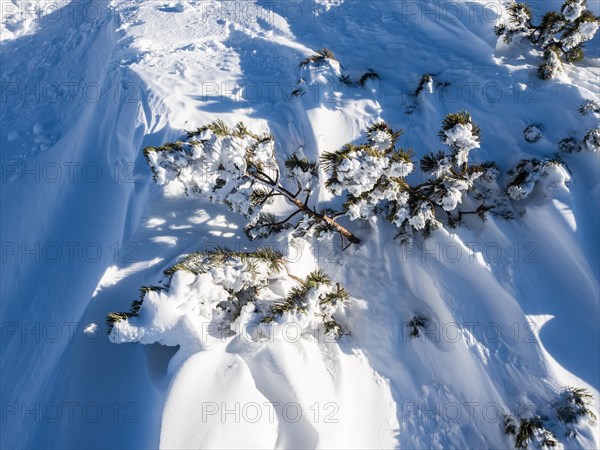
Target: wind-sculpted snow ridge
[(483, 335)]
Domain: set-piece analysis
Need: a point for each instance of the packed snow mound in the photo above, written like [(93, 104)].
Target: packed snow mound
[(337, 401), (445, 335)]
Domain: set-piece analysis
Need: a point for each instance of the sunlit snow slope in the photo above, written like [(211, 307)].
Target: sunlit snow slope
[(514, 304)]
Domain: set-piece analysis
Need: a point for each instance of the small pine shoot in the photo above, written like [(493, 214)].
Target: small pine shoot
[(318, 58), (369, 75)]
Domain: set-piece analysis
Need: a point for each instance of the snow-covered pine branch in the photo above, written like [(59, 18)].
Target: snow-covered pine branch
[(315, 300), (451, 176), (517, 22), (541, 426), (209, 296), (370, 173), (560, 35), (590, 107), (591, 141), (238, 168), (529, 173), (373, 176)]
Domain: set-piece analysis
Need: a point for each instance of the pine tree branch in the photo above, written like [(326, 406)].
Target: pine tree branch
[(271, 194), (319, 217), (286, 219), (292, 276), (263, 177), (302, 206)]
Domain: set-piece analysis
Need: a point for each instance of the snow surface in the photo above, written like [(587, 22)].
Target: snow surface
[(514, 305)]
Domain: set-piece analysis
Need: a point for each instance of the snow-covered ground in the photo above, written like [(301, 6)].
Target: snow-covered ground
[(514, 305)]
